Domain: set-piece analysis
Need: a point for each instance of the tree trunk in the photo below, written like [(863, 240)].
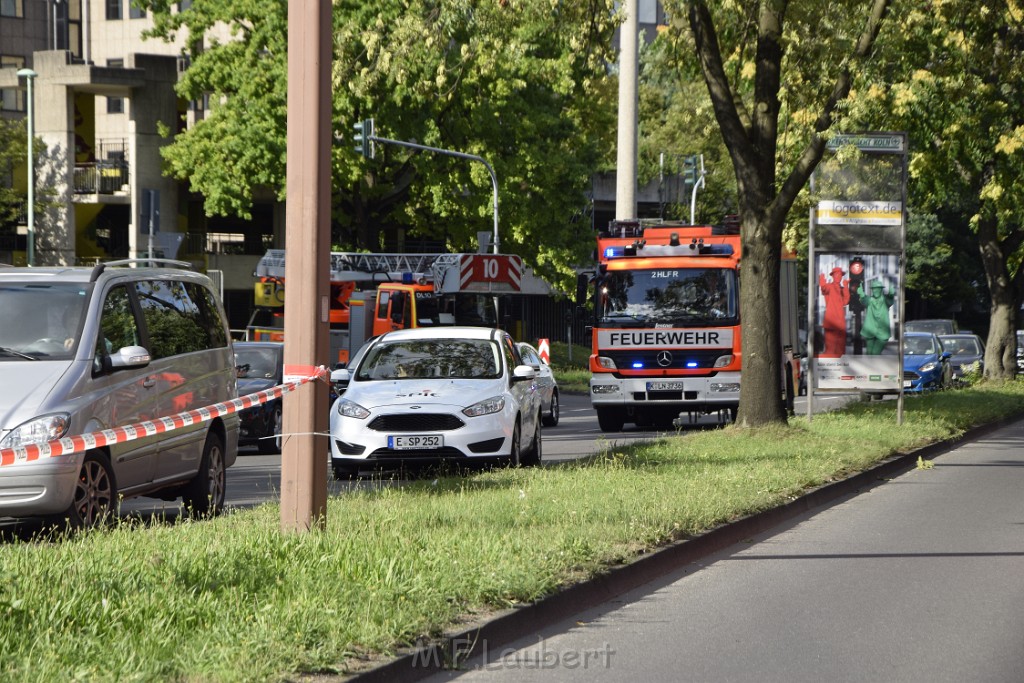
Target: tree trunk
[(1001, 345), (759, 313)]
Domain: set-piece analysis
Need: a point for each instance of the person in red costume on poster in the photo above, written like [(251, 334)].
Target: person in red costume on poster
[(837, 298)]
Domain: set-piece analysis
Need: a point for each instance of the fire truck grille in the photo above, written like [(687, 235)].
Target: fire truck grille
[(682, 359)]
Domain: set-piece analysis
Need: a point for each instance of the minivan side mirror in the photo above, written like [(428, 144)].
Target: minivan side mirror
[(582, 284), (129, 357)]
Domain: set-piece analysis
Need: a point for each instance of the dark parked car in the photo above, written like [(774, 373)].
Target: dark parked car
[(259, 366), (1020, 350), (967, 351), (935, 325)]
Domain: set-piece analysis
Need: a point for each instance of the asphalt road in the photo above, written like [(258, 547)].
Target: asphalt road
[(916, 579), (255, 478)]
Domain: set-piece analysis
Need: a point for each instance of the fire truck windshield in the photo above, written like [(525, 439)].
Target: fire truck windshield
[(687, 296)]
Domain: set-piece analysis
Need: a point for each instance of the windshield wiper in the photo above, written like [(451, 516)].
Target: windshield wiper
[(627, 316), (19, 354)]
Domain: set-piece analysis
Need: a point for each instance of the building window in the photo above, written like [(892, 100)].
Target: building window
[(12, 99), (12, 8), (135, 12), (115, 105), (184, 5), (113, 9)]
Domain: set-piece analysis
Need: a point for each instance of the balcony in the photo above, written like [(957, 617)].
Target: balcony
[(107, 175)]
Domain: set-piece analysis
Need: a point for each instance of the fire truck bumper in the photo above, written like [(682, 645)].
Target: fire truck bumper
[(719, 391)]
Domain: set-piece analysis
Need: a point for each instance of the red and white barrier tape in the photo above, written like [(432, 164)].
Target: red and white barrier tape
[(139, 430)]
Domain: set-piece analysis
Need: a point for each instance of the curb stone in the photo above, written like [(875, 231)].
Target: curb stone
[(415, 664)]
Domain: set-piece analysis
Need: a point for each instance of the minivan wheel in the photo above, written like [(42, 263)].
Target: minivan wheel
[(269, 445), (204, 495), (95, 494)]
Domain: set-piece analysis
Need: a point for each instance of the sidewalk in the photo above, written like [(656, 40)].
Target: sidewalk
[(570, 630)]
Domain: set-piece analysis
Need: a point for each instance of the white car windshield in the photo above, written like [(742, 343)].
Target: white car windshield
[(431, 358)]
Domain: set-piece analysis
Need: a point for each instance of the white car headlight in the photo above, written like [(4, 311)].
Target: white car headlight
[(37, 431), (928, 367), (347, 408), (491, 405)]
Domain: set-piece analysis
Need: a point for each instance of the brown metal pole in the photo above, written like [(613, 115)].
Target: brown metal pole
[(307, 244)]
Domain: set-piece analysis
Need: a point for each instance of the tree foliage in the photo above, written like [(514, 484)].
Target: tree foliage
[(521, 83), (957, 86), (13, 150), (776, 73)]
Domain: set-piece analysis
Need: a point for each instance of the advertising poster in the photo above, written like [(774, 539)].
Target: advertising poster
[(856, 343)]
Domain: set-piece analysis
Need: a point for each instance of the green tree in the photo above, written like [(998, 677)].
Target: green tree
[(777, 73), (522, 84), (957, 87), (13, 144)]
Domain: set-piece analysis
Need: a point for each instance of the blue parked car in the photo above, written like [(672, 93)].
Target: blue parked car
[(926, 364)]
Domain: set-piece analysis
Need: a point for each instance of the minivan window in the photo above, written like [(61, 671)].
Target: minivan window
[(48, 317), (173, 320), (118, 327), (203, 297)]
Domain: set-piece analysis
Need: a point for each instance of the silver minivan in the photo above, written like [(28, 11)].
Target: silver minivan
[(88, 349)]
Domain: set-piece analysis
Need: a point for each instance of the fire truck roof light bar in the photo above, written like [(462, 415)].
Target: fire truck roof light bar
[(641, 248)]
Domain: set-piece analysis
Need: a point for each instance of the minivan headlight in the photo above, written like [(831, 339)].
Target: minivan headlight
[(347, 408), (494, 404), (37, 431)]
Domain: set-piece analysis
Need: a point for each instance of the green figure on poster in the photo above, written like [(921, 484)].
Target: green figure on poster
[(876, 330)]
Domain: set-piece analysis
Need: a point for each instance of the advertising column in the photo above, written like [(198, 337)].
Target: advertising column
[(855, 284)]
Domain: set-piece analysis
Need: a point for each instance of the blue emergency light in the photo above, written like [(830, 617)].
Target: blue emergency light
[(638, 365), (614, 252), (406, 278), (691, 364)]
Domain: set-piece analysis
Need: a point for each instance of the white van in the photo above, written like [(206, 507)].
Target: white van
[(87, 349)]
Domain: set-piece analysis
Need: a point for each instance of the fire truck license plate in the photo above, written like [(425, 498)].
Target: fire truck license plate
[(410, 441), (665, 386)]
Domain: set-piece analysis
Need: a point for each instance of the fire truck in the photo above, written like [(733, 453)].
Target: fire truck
[(375, 293), (667, 333)]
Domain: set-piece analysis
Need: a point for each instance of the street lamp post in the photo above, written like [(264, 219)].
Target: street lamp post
[(29, 76)]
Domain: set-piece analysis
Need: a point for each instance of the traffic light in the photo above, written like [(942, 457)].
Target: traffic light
[(690, 170), (856, 279), (363, 138)]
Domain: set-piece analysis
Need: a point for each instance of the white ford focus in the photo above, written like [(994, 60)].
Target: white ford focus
[(441, 394)]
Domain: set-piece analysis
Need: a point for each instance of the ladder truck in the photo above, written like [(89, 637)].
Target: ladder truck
[(373, 293)]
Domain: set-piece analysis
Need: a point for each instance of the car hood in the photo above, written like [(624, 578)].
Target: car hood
[(251, 386), (965, 359), (25, 388), (915, 362), (457, 392)]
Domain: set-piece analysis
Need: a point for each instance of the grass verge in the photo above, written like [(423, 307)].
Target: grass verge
[(571, 365), (233, 599)]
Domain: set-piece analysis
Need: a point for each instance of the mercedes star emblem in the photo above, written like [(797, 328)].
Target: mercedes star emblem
[(664, 359)]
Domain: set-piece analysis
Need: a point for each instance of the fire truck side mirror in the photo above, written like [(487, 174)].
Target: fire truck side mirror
[(582, 285)]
